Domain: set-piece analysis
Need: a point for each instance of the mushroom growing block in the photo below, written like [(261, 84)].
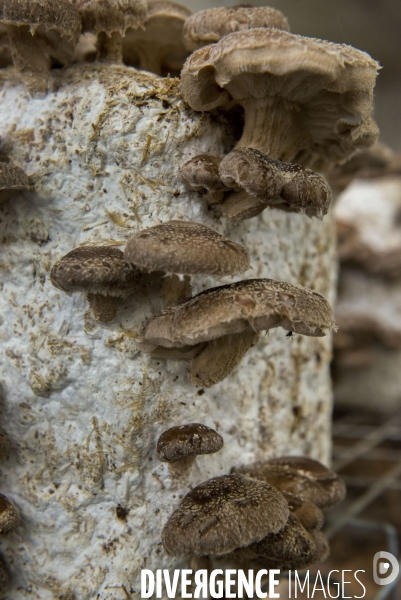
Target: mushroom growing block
[(84, 407)]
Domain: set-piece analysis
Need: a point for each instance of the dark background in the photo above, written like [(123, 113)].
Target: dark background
[(370, 25)]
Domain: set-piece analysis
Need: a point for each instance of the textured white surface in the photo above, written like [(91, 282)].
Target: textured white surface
[(83, 407), (371, 207)]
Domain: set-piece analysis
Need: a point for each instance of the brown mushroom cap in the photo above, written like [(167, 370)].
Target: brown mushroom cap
[(158, 46), (110, 16), (9, 518), (192, 439), (303, 477), (307, 513), (249, 305), (273, 182), (223, 514), (202, 173), (58, 15), (96, 269), (38, 30), (208, 26), (187, 248), (12, 178), (305, 100), (293, 547)]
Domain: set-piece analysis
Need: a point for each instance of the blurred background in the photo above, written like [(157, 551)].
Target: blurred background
[(370, 25)]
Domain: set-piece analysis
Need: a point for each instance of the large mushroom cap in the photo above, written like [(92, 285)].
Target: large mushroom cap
[(187, 248), (223, 514), (321, 92), (253, 304), (158, 47), (58, 15), (303, 477), (192, 439), (95, 269), (111, 16), (208, 26), (12, 178)]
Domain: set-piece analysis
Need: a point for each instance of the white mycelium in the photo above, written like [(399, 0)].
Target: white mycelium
[(83, 407)]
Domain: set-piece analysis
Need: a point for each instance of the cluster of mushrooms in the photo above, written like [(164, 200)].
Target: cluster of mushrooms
[(303, 104), (268, 514)]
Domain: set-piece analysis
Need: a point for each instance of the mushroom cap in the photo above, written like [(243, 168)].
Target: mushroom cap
[(59, 15), (187, 248), (303, 477), (276, 182), (9, 518), (111, 16), (208, 26), (307, 513), (327, 88), (160, 37), (96, 269), (253, 304), (12, 177), (223, 514), (293, 547), (188, 440), (202, 172)]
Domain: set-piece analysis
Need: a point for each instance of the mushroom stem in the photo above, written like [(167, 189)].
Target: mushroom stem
[(149, 62), (267, 122), (29, 58), (176, 290), (104, 308), (109, 48), (180, 466)]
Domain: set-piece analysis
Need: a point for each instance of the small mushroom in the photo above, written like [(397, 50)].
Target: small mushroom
[(202, 173), (109, 21), (179, 446), (210, 25), (303, 477), (99, 271), (38, 31), (158, 46), (269, 182), (223, 514), (12, 178), (184, 248), (293, 547), (4, 445), (9, 517)]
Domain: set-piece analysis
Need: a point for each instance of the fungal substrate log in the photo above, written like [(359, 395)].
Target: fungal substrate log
[(82, 406)]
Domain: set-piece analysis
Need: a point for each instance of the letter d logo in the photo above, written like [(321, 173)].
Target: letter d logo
[(384, 567)]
